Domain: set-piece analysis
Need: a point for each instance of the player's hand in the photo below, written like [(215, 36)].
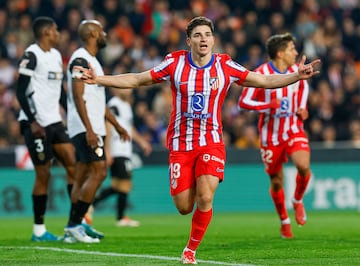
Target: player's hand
[(308, 70), (91, 139), (303, 114), (36, 130), (124, 135), (86, 75), (146, 147)]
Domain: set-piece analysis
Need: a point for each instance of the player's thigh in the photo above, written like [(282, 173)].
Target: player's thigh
[(301, 159), (39, 148)]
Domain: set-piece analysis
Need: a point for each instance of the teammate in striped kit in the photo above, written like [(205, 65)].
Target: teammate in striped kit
[(282, 112), (39, 93), (199, 83)]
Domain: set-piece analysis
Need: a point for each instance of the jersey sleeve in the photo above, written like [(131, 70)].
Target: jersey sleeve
[(249, 100), (162, 71), (26, 71), (237, 72), (79, 61)]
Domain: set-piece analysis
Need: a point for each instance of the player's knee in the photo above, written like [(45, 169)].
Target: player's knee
[(303, 169), (185, 211), (205, 199), (276, 184)]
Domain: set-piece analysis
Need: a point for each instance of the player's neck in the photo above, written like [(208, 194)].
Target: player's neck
[(199, 60), (45, 46), (280, 65), (92, 50)]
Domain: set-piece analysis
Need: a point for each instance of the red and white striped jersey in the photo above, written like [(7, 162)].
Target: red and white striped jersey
[(276, 125), (198, 94)]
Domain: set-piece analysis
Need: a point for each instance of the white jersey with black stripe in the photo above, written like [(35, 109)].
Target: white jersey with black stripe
[(44, 89), (124, 115), (94, 98)]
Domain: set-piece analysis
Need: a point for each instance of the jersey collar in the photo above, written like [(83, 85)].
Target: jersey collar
[(275, 69), (207, 65)]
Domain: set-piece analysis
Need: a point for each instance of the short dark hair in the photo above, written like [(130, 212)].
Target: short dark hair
[(40, 23), (278, 42), (198, 21)]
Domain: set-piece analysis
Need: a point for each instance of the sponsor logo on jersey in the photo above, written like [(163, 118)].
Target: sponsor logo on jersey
[(55, 75), (196, 116), (198, 102)]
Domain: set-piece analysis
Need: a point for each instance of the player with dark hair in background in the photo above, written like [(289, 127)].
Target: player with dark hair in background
[(281, 127), (39, 92)]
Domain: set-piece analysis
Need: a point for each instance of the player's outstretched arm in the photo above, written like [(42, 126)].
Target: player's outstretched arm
[(122, 81), (281, 80)]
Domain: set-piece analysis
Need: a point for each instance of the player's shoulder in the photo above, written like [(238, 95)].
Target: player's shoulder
[(113, 100), (221, 56), (80, 53), (80, 57), (177, 54), (55, 52)]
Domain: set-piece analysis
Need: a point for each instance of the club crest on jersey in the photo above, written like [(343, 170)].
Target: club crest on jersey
[(214, 83)]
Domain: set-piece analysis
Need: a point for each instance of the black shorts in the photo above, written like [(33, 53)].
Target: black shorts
[(40, 149), (84, 153), (121, 168)]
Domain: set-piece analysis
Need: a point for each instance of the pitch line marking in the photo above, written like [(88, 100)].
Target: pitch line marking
[(113, 254)]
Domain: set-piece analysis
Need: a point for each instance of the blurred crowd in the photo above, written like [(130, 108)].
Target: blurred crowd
[(142, 32)]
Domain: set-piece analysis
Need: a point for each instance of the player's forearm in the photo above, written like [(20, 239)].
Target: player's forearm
[(81, 109), (125, 81), (118, 81), (279, 81)]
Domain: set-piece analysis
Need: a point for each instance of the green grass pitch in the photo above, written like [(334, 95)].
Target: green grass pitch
[(329, 238)]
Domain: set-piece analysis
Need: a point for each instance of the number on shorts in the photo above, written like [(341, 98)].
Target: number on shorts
[(39, 145), (266, 156), (175, 170)]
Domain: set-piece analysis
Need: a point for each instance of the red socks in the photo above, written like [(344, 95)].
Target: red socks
[(301, 184), (278, 198), (200, 222)]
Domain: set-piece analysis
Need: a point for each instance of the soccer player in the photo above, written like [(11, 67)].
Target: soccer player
[(282, 112), (120, 153), (199, 81), (39, 92), (86, 123)]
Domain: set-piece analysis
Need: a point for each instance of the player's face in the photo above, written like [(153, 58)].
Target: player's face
[(101, 41), (54, 34), (201, 40), (290, 54)]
